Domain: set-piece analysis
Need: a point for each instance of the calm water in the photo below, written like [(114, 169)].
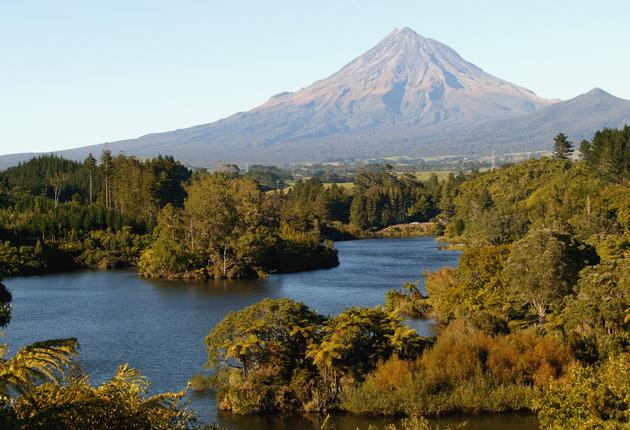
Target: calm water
[(159, 326)]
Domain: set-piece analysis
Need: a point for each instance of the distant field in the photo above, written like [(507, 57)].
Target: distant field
[(346, 185), (441, 174)]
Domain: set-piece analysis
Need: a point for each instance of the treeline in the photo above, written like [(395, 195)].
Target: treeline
[(57, 214), (382, 198), (536, 316), (121, 183)]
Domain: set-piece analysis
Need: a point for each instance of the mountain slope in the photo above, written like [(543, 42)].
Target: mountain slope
[(408, 95), (579, 118)]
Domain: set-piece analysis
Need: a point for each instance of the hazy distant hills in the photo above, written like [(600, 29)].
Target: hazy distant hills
[(406, 96)]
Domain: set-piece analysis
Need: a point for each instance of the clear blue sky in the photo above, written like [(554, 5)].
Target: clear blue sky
[(75, 73)]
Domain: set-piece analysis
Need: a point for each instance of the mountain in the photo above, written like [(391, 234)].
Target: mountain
[(409, 95), (579, 118)]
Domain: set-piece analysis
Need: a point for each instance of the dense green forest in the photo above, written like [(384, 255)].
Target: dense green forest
[(535, 317), (171, 222)]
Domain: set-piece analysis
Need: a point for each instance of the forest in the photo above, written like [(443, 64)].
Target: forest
[(535, 317), (172, 222)]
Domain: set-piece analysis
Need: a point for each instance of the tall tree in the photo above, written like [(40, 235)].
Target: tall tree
[(562, 147), (609, 153), (90, 165), (106, 161)]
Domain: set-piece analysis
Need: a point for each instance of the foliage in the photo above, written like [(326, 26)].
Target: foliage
[(596, 314), (121, 402), (407, 301), (35, 176), (112, 249), (38, 362), (382, 198), (309, 203), (53, 210), (589, 398), (474, 289), (465, 371), (542, 269), (230, 228), (269, 177), (562, 147), (268, 342), (25, 259), (609, 153), (279, 355)]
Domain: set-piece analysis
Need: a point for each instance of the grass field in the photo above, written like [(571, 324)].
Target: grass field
[(346, 185), (441, 174)]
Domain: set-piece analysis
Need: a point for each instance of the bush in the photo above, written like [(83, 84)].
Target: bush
[(589, 398), (119, 403), (466, 371), (408, 301)]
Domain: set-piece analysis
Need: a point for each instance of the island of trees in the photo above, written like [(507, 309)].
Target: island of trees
[(535, 317)]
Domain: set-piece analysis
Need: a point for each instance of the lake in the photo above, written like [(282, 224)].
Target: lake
[(159, 326)]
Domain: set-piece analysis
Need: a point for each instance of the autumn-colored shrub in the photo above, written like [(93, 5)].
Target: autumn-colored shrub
[(527, 358), (466, 371)]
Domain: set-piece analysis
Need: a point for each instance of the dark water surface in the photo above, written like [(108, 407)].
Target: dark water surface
[(159, 326)]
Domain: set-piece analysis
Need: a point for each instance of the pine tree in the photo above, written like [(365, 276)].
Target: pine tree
[(90, 165), (562, 147), (106, 161)]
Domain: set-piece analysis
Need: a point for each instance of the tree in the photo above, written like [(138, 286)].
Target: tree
[(230, 227), (259, 352), (598, 309), (382, 198), (357, 339), (542, 269), (90, 165), (38, 362), (57, 181), (106, 162), (272, 331), (168, 253), (562, 147), (120, 403), (609, 153), (474, 290)]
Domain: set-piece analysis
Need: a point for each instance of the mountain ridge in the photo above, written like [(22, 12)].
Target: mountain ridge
[(408, 95)]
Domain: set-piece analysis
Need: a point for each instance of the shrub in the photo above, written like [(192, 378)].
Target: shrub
[(589, 398)]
